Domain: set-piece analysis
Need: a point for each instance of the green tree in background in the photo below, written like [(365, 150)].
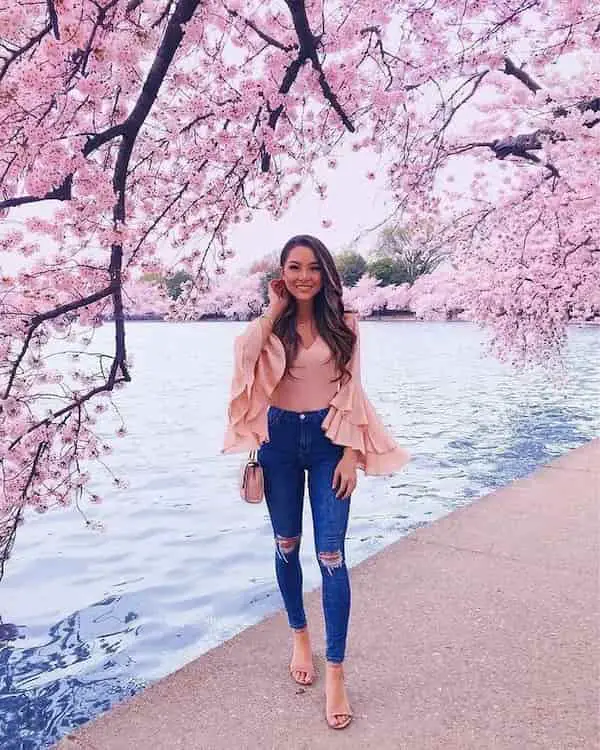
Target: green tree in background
[(351, 266), (174, 282), (414, 254), (268, 276), (388, 271)]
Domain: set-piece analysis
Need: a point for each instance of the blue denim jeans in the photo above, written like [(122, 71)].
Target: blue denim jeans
[(297, 444)]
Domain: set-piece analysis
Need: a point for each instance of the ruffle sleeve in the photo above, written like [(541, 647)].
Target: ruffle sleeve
[(259, 364), (352, 421)]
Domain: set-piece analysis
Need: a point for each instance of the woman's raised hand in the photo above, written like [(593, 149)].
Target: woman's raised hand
[(279, 298)]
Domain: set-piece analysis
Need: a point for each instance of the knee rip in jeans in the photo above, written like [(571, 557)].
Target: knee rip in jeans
[(286, 545), (331, 560)]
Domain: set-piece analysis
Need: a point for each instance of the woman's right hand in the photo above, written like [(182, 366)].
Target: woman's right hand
[(279, 298)]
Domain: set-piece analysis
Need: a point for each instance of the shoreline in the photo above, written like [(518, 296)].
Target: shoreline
[(394, 318)]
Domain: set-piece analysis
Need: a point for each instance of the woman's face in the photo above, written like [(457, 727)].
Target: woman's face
[(302, 273)]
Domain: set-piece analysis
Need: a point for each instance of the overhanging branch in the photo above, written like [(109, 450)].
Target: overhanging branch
[(308, 50), (586, 105), (131, 127), (61, 193), (53, 18), (511, 70), (263, 35), (37, 320)]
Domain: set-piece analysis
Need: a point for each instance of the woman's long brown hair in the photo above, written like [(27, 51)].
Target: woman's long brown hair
[(328, 310)]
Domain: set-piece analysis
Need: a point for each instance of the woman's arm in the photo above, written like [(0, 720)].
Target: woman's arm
[(345, 478), (353, 423), (259, 364)]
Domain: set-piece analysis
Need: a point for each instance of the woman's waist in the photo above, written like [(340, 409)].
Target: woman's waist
[(280, 414), (301, 397), (292, 431)]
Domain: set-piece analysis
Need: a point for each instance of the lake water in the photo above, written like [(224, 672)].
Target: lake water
[(176, 563)]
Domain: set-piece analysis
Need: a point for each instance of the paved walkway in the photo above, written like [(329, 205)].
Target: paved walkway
[(479, 631)]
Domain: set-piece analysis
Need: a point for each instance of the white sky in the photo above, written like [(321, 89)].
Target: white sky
[(354, 204)]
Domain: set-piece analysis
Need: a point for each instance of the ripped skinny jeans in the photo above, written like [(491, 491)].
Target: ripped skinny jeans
[(297, 445)]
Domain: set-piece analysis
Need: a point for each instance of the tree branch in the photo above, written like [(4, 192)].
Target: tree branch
[(63, 191), (476, 79), (81, 57), (51, 314), (22, 50), (8, 532), (134, 5), (76, 403), (511, 70), (131, 127), (53, 18), (164, 14), (265, 37), (591, 105), (587, 105), (518, 145), (163, 213), (308, 51)]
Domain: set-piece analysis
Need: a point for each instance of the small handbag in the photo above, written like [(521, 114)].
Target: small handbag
[(252, 481)]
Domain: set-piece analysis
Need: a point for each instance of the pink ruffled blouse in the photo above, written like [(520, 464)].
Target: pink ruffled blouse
[(259, 367)]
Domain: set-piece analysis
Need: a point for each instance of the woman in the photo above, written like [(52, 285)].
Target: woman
[(297, 396)]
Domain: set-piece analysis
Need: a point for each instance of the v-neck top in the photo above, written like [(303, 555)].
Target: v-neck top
[(310, 383)]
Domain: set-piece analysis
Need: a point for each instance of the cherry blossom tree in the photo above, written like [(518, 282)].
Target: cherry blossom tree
[(135, 134), (367, 296), (228, 296), (399, 298), (268, 267), (143, 299), (438, 295), (435, 296), (497, 153)]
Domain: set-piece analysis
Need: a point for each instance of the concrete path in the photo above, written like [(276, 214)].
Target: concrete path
[(479, 631)]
